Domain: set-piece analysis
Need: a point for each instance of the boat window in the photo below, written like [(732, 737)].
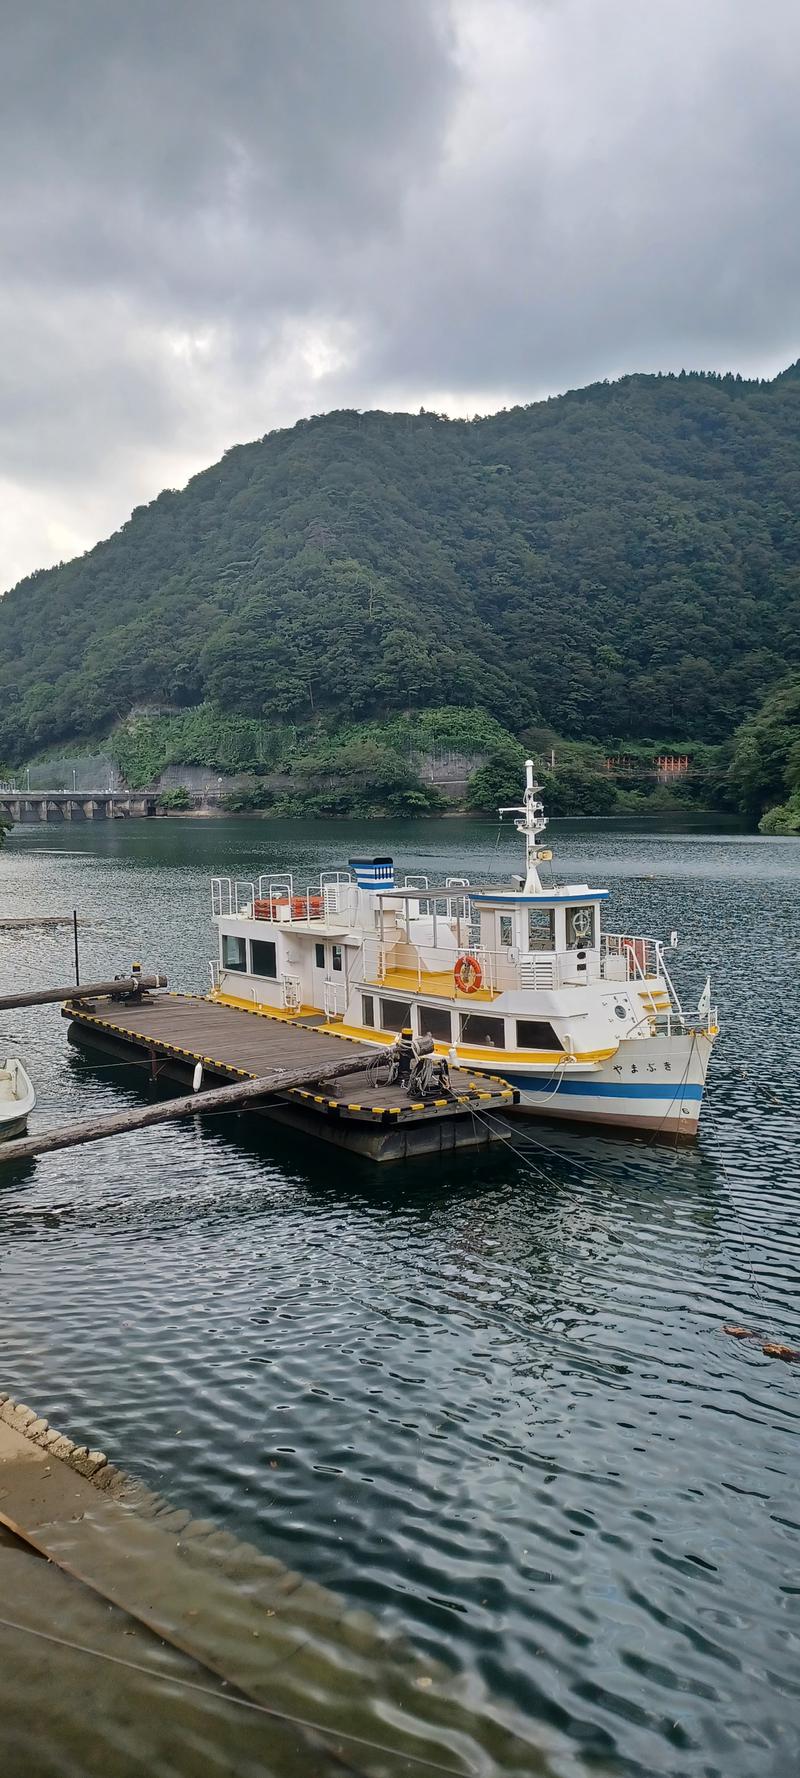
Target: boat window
[(395, 1015), (337, 958), (234, 951), (537, 1034), (580, 928), (476, 1027), (367, 1010), (264, 958), (434, 1022), (541, 929), (319, 956), (506, 931)]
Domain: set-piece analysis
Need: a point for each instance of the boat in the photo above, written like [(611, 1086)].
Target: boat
[(519, 980), (17, 1098)]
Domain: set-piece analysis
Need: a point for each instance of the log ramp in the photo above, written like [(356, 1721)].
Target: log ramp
[(336, 1690)]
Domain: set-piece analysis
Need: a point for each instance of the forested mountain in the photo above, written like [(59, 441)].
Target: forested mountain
[(619, 562)]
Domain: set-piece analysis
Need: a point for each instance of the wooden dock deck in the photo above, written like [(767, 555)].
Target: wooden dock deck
[(176, 1031)]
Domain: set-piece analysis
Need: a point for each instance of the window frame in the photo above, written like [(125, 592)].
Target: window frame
[(233, 938), (541, 1025), (386, 1024), (264, 944), (536, 946), (485, 1020), (580, 944), (437, 1012)]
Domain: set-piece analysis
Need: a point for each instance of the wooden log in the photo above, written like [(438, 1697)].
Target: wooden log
[(217, 1099), (129, 984), (36, 922)]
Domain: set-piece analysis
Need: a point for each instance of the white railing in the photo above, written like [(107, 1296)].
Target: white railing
[(641, 960), (220, 897), (290, 992), (231, 898), (334, 998), (277, 899), (639, 957)]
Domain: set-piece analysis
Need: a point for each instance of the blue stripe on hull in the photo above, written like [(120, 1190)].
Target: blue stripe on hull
[(596, 1089)]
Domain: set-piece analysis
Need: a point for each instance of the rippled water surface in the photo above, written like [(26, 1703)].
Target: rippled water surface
[(489, 1399)]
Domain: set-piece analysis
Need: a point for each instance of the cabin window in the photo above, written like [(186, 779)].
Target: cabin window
[(234, 952), (541, 929), (319, 956), (337, 958), (477, 1028), (395, 1015), (580, 928), (537, 1034), (506, 931), (435, 1022), (264, 958), (367, 1010)]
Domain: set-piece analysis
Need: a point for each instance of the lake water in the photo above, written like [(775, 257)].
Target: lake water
[(489, 1400)]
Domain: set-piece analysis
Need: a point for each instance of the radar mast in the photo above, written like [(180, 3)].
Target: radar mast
[(530, 821)]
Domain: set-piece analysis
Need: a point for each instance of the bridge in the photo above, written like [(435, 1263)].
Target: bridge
[(74, 805)]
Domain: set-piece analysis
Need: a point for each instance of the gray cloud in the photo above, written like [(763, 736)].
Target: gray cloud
[(215, 219)]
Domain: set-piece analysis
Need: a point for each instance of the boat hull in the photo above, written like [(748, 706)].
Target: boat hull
[(17, 1099), (653, 1085), (13, 1126)]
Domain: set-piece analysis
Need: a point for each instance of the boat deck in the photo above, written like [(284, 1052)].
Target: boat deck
[(439, 982), (176, 1031)]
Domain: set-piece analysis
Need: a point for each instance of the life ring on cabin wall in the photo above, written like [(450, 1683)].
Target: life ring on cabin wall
[(468, 974)]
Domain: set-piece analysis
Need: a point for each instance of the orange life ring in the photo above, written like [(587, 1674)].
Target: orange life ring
[(468, 974)]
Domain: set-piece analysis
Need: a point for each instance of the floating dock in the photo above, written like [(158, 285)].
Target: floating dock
[(176, 1031)]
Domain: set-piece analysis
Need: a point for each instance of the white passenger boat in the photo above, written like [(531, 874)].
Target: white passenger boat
[(17, 1098), (519, 980)]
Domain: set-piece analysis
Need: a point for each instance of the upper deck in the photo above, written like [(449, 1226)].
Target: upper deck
[(408, 937)]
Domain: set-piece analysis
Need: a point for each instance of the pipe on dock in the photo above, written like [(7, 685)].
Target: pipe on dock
[(124, 987), (217, 1099)]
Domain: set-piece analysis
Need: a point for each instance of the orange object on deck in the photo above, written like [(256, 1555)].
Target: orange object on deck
[(468, 974)]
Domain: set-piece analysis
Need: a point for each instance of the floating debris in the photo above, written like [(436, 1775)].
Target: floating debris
[(789, 1354)]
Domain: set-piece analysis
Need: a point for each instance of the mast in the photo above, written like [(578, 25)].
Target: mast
[(531, 822)]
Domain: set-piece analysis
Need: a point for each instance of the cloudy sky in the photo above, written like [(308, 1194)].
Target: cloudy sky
[(219, 215)]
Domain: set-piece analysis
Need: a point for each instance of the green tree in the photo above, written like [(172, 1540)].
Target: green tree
[(764, 772)]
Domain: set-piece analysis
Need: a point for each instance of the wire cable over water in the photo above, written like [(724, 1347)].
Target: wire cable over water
[(230, 1697)]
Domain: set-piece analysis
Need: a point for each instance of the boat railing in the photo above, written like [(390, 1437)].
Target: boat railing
[(334, 998), (663, 971), (291, 994), (232, 898), (278, 899), (402, 968), (642, 960), (627, 959)]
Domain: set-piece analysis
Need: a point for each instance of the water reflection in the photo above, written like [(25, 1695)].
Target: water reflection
[(490, 1400)]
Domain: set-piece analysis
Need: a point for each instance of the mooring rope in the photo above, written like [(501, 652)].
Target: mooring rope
[(208, 1691)]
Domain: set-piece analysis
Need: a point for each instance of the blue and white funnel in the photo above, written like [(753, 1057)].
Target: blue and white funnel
[(373, 873)]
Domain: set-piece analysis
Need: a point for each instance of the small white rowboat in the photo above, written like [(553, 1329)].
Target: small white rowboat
[(17, 1098)]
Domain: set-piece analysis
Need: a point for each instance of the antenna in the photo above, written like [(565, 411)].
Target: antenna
[(531, 821)]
